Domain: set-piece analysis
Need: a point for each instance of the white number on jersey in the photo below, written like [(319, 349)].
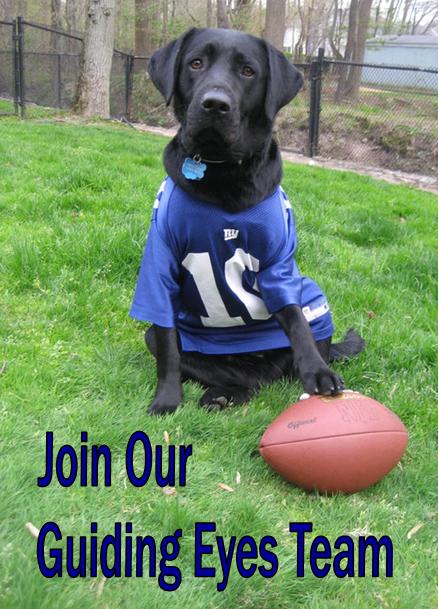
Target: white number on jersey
[(200, 267)]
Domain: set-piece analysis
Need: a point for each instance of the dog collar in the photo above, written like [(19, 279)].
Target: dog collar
[(197, 158)]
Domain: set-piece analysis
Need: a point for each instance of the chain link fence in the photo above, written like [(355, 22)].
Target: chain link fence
[(51, 66), (377, 115), (8, 93), (389, 121)]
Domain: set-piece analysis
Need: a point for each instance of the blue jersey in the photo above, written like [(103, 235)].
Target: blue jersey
[(218, 277)]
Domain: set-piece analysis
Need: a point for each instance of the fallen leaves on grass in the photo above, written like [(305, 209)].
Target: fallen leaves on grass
[(100, 586), (381, 599), (238, 478), (32, 530), (226, 487), (359, 532), (392, 391), (414, 530), (169, 490), (3, 368), (167, 438)]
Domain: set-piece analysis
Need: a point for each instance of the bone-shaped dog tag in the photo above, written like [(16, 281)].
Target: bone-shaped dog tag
[(193, 169)]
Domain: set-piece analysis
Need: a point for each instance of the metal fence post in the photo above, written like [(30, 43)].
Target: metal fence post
[(16, 71), (315, 97), (58, 67), (20, 42), (129, 65)]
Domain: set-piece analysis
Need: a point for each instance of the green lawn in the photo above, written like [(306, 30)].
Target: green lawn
[(75, 204)]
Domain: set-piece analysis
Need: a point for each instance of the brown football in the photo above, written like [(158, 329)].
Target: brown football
[(334, 444)]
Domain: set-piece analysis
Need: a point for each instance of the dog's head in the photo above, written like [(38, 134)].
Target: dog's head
[(227, 87)]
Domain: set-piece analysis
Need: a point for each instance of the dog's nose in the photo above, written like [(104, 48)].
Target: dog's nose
[(216, 102)]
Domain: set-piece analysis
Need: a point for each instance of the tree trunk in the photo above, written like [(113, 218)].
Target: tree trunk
[(353, 84), (310, 27), (298, 48), (274, 31), (93, 92), (392, 16), (74, 12), (332, 32), (377, 19), (350, 76), (21, 8), (7, 10), (209, 14), (165, 24), (389, 18), (56, 41), (243, 13), (222, 16), (430, 24), (403, 24), (71, 16), (143, 36)]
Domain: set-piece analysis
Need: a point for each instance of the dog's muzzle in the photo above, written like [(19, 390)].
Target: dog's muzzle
[(212, 111)]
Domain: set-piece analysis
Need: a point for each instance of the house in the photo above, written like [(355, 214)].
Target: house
[(407, 50)]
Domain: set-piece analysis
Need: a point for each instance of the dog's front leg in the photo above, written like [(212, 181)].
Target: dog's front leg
[(169, 390), (313, 371)]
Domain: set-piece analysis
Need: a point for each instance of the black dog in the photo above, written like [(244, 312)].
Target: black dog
[(226, 88)]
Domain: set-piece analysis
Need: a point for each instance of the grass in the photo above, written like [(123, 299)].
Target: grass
[(32, 110), (75, 204)]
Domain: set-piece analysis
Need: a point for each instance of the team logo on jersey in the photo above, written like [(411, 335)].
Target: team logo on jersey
[(230, 233)]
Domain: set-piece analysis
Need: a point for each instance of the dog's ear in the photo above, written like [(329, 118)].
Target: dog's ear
[(283, 83), (164, 64)]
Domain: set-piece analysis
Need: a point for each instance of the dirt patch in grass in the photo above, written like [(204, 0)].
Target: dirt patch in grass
[(373, 139)]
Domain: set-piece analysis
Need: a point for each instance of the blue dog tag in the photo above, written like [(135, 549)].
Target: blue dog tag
[(193, 169)]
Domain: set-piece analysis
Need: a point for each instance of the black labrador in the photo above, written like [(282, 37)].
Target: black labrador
[(227, 87)]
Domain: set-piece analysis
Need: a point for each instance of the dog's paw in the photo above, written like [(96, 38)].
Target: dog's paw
[(218, 398), (322, 380), (164, 404)]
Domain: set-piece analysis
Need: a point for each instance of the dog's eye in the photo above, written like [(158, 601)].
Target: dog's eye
[(247, 71), (196, 64)]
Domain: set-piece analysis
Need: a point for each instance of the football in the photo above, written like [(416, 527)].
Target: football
[(339, 444)]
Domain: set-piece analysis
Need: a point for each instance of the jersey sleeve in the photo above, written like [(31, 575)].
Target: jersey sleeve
[(280, 281), (156, 298)]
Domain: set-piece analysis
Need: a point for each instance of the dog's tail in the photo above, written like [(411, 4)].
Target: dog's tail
[(351, 345)]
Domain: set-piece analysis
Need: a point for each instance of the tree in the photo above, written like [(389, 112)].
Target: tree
[(377, 18), (7, 10), (242, 14), (71, 16), (209, 18), (422, 10), (93, 91), (336, 29), (165, 22), (320, 21), (350, 76), (222, 16), (143, 35), (274, 30), (391, 16), (56, 24)]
